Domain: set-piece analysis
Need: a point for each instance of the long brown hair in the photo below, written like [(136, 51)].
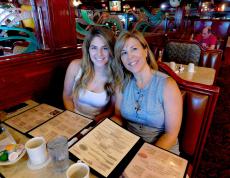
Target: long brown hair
[(87, 65), (124, 74)]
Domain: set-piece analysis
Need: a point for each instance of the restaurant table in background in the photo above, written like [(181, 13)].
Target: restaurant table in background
[(20, 169), (203, 75)]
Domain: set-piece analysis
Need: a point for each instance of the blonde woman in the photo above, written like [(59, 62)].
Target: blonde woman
[(89, 83), (148, 102)]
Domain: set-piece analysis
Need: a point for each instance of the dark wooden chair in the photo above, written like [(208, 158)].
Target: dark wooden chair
[(198, 108)]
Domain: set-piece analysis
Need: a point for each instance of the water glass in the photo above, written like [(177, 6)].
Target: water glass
[(191, 67), (172, 65), (58, 151)]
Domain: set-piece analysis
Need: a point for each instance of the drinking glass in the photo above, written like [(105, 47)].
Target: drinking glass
[(172, 65), (191, 67), (58, 151)]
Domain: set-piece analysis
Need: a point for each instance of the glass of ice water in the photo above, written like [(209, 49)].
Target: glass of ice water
[(58, 151)]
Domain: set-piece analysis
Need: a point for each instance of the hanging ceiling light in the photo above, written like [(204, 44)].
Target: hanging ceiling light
[(174, 3)]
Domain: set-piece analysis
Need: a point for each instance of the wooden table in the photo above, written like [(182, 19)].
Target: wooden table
[(20, 169), (203, 75)]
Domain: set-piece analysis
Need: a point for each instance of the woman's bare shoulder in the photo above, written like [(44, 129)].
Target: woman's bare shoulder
[(76, 62), (75, 65), (171, 85)]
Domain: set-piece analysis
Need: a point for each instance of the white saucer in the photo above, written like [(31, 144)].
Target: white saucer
[(39, 166), (12, 162)]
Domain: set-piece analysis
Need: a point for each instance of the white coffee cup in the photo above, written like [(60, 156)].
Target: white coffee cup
[(172, 65), (191, 67), (78, 170), (36, 150)]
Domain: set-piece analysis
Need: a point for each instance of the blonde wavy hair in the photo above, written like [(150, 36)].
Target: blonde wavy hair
[(123, 73), (87, 65)]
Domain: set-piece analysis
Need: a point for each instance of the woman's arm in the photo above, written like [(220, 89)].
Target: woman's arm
[(173, 114), (117, 114), (71, 72)]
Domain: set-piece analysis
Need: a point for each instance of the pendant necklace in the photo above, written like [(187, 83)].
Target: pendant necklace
[(138, 102), (139, 96)]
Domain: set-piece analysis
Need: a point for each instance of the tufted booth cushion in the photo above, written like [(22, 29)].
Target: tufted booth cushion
[(193, 112), (211, 58), (182, 52)]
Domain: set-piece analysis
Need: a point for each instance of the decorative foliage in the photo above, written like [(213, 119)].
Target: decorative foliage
[(33, 44)]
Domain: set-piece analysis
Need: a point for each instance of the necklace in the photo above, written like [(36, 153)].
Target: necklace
[(138, 101)]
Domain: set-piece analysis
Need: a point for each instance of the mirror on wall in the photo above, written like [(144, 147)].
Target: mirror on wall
[(17, 28)]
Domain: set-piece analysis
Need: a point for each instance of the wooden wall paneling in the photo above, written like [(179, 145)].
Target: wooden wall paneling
[(43, 23), (36, 22), (17, 87), (179, 19), (56, 21), (60, 22), (40, 77), (64, 24)]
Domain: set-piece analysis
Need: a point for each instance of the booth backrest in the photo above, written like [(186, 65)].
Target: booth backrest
[(198, 108), (199, 25), (220, 29), (211, 58), (184, 51)]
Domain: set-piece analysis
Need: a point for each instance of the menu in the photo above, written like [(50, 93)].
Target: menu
[(104, 147), (151, 161), (67, 124), (17, 109), (31, 118)]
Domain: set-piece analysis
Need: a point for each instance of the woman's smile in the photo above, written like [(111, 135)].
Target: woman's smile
[(99, 51)]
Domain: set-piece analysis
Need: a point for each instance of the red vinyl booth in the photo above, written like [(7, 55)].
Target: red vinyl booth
[(199, 103)]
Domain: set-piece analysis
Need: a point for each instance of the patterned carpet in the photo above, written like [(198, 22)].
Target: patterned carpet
[(215, 161)]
